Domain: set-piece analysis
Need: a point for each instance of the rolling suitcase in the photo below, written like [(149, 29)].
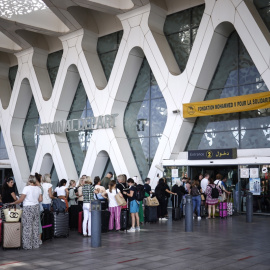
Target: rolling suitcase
[(47, 219), (151, 214), (61, 222), (223, 210), (74, 211), (176, 213), (105, 218), (12, 235), (203, 211), (124, 219), (80, 221)]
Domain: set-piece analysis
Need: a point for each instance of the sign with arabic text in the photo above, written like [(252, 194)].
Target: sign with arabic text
[(227, 105), (212, 154)]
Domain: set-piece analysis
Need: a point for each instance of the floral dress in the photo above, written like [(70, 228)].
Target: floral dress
[(208, 192)]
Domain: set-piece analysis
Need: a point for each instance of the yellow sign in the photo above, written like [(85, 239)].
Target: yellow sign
[(227, 105)]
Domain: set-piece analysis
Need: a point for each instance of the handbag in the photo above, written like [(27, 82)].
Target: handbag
[(12, 214), (119, 199), (152, 201), (202, 197)]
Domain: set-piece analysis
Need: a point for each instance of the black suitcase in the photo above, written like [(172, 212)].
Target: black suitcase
[(104, 204), (176, 211), (47, 221), (124, 220), (203, 211), (105, 218), (61, 222), (151, 214), (74, 211)]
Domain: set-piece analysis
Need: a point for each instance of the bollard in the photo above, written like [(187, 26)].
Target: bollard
[(189, 214), (95, 223), (249, 205)]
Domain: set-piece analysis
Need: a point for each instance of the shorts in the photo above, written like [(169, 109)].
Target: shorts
[(133, 207)]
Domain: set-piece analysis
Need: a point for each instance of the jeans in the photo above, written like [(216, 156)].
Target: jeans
[(86, 218), (46, 206), (196, 201)]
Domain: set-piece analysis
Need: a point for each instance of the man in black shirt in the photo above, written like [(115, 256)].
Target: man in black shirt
[(147, 187)]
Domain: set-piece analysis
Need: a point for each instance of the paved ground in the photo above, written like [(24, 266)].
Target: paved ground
[(214, 244)]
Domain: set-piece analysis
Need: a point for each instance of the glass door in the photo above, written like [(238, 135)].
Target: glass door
[(255, 179)]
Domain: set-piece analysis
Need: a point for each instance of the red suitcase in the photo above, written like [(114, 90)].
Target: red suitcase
[(80, 221)]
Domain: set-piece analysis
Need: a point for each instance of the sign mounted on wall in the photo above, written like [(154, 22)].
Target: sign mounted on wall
[(90, 123), (212, 154), (227, 105)]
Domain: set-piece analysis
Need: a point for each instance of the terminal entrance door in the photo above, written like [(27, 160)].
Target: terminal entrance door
[(231, 172)]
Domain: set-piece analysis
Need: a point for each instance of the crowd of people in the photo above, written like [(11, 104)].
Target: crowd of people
[(38, 194)]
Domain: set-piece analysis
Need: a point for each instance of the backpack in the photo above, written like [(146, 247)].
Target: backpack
[(140, 192), (158, 193), (68, 199), (214, 192), (195, 192), (59, 205)]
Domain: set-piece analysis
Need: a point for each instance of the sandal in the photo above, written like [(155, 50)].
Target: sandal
[(208, 217)]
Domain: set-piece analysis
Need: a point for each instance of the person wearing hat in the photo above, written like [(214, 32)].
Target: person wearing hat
[(106, 180)]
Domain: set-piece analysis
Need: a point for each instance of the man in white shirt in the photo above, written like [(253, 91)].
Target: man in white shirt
[(204, 182)]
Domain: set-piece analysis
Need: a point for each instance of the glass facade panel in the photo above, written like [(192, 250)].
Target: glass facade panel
[(30, 138), (53, 63), (12, 75), (263, 7), (3, 149), (180, 30), (145, 118), (79, 140), (54, 177), (107, 48), (235, 75)]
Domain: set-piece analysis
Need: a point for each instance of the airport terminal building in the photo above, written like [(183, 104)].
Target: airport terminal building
[(140, 87)]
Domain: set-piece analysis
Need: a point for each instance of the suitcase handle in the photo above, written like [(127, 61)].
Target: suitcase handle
[(175, 200)]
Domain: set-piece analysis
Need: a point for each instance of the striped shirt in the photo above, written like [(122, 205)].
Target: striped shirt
[(88, 193)]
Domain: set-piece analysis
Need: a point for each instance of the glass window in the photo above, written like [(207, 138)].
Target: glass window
[(53, 63), (3, 149), (145, 118), (263, 7), (107, 48), (235, 75), (180, 30), (54, 177), (12, 75), (30, 138), (79, 140)]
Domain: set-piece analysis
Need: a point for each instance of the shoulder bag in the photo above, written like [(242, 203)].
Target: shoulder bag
[(120, 199), (152, 201)]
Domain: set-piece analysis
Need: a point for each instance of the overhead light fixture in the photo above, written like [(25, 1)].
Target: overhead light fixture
[(160, 167)]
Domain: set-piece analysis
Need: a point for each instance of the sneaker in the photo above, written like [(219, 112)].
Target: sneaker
[(137, 229), (131, 230), (164, 218), (199, 218)]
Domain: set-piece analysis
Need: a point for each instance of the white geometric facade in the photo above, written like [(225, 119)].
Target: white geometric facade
[(74, 26)]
